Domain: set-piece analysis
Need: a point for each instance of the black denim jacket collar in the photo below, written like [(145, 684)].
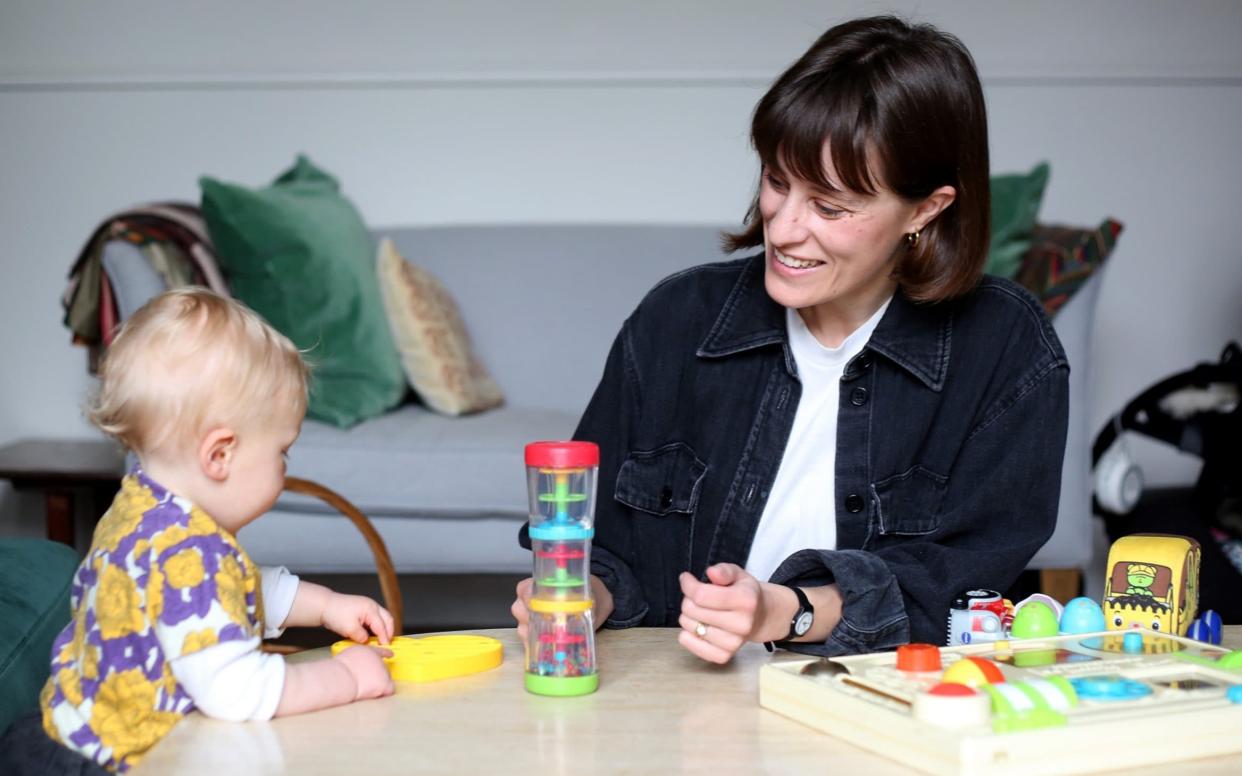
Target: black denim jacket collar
[(914, 336)]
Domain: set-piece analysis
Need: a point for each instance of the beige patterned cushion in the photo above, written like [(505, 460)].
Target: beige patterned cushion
[(432, 339)]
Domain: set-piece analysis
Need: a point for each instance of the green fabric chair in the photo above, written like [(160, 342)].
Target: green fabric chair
[(35, 579)]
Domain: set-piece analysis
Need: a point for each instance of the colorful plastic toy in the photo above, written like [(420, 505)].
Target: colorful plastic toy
[(1051, 602), (1034, 620), (978, 616), (1153, 582), (1206, 627), (1082, 615), (431, 658), (560, 649)]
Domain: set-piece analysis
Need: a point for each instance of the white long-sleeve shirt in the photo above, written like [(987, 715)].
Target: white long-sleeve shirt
[(235, 680)]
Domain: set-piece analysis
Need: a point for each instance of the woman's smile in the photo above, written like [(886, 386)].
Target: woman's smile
[(793, 265)]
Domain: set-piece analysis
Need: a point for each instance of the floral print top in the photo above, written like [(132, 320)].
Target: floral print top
[(161, 580)]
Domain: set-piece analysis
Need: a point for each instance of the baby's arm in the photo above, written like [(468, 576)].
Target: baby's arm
[(351, 616), (236, 681), (355, 674)]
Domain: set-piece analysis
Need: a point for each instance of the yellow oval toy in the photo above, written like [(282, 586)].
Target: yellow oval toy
[(431, 658)]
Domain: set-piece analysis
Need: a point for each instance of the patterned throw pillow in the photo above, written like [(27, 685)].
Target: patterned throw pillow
[(432, 339), (1062, 258)]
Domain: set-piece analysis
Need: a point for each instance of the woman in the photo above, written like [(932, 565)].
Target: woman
[(824, 443)]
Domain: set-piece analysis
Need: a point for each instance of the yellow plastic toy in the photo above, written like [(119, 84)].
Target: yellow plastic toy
[(1153, 582), (431, 658)]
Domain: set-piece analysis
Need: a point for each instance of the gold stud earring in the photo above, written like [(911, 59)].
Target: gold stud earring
[(912, 239)]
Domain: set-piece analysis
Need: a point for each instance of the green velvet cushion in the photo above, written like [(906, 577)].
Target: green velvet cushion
[(298, 253), (35, 577), (1015, 206)]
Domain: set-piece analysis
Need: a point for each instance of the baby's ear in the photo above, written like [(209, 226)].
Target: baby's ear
[(216, 453)]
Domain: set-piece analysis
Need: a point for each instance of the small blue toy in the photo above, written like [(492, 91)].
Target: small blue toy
[(1206, 627), (1082, 615)]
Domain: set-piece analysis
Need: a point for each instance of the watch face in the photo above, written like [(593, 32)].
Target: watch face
[(803, 623)]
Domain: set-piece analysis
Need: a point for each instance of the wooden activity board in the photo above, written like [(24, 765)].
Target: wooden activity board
[(1076, 703)]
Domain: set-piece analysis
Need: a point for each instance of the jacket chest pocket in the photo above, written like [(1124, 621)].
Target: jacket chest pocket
[(661, 481), (908, 504)]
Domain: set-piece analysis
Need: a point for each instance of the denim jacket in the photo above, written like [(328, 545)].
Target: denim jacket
[(950, 437)]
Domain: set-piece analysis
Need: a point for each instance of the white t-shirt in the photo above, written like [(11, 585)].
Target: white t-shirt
[(801, 513)]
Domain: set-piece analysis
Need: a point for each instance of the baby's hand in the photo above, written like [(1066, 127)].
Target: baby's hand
[(366, 665), (352, 616)]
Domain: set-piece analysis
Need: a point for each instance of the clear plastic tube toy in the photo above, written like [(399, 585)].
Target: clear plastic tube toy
[(560, 648)]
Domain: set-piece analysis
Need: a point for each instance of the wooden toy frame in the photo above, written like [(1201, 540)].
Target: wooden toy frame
[(867, 703)]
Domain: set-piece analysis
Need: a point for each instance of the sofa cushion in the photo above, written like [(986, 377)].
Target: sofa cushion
[(35, 579), (1062, 258), (546, 344), (298, 253), (449, 497), (432, 339), (415, 462), (1015, 206)]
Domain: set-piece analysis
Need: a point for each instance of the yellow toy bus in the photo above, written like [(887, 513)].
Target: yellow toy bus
[(1153, 582)]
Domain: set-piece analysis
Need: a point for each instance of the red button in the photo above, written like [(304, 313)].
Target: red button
[(918, 657), (951, 690)]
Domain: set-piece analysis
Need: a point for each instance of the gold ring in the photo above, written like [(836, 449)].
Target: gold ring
[(700, 630)]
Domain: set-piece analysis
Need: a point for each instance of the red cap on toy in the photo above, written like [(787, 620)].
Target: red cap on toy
[(562, 455)]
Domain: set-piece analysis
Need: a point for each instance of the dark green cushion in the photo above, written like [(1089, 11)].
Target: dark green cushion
[(1015, 206), (35, 578), (298, 253)]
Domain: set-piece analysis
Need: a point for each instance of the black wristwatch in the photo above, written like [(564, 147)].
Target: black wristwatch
[(801, 622), (803, 618)]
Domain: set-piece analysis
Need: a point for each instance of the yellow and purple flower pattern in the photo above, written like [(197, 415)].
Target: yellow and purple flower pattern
[(161, 580)]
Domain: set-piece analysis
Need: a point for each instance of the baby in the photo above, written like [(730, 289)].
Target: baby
[(168, 609)]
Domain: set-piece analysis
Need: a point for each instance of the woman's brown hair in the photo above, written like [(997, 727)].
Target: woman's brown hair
[(900, 107)]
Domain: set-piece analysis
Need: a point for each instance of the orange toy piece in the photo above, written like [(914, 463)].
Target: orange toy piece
[(918, 657)]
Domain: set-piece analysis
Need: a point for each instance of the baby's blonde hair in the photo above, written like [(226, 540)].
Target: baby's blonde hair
[(191, 360)]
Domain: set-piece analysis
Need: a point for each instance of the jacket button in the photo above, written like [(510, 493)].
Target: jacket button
[(864, 361), (666, 497), (858, 396), (854, 502)]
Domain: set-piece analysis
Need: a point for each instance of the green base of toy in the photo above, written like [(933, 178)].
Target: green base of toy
[(562, 685)]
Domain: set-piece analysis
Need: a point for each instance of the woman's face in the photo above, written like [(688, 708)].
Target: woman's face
[(835, 250)]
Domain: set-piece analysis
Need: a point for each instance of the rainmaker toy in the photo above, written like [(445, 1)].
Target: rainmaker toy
[(560, 648)]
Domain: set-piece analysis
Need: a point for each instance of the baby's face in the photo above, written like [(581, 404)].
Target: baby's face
[(257, 475)]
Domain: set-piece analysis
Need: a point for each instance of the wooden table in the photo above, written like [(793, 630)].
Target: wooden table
[(63, 468), (658, 710)]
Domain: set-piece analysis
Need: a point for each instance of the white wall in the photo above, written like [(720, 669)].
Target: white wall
[(490, 111)]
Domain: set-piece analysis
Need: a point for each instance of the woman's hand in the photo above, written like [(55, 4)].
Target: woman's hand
[(521, 605), (733, 607)]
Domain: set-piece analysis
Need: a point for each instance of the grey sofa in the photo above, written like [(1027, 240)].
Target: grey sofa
[(543, 304)]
